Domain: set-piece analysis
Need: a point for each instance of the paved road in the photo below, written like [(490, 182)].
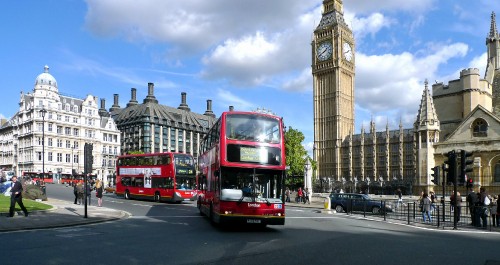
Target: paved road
[(176, 234)]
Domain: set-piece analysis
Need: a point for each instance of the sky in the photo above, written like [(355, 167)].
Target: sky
[(248, 54)]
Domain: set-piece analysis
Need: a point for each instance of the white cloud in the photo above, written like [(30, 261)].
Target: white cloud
[(237, 47), (391, 85), (244, 60), (225, 99), (370, 25), (479, 62), (302, 82), (366, 7)]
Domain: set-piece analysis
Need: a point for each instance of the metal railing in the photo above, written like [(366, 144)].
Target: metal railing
[(442, 214)]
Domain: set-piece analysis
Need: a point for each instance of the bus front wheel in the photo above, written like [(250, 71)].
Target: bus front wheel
[(127, 195), (157, 197)]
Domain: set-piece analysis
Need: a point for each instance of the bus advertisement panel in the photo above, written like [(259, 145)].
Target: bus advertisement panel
[(242, 170), (169, 177)]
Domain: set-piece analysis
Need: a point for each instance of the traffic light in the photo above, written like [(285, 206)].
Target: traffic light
[(470, 182), (87, 158), (465, 161), (435, 175), (451, 166)]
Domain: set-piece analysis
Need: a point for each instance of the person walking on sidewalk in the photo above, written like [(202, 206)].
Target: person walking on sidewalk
[(426, 207), (89, 191), (471, 203), (400, 197), (287, 194), (300, 194), (16, 196), (98, 192), (75, 192), (306, 196), (457, 207), (79, 190)]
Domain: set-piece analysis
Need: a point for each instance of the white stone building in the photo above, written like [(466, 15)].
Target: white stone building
[(67, 125)]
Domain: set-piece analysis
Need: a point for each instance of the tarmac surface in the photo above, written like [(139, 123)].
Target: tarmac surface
[(63, 214), (66, 214)]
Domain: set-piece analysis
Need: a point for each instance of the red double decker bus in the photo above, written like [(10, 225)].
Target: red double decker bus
[(242, 170), (37, 176), (169, 177)]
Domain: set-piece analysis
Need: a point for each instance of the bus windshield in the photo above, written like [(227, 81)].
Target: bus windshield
[(258, 184), (253, 128), (185, 172)]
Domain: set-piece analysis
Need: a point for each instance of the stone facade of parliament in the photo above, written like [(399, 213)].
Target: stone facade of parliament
[(461, 115)]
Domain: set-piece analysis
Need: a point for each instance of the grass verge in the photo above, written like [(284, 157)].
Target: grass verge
[(29, 204)]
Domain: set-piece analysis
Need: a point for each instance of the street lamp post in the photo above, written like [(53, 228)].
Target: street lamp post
[(307, 178), (43, 111), (72, 160)]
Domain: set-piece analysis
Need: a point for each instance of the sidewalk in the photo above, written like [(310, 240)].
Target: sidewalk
[(316, 203), (63, 214)]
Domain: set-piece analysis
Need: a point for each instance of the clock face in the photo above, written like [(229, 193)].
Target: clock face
[(324, 51), (347, 50)]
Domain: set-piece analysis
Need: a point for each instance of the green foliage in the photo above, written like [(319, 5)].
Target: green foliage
[(295, 152)]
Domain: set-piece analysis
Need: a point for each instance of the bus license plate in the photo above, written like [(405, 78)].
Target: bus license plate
[(253, 221)]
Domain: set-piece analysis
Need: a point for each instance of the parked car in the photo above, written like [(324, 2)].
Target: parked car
[(354, 202)]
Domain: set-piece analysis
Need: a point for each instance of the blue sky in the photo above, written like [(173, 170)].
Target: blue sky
[(248, 53)]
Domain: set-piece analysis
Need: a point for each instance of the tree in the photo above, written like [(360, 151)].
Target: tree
[(295, 155)]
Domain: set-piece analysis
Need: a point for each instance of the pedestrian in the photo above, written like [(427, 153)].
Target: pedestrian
[(89, 191), (75, 192), (493, 211), (458, 206), (433, 201), (80, 189), (471, 203), (426, 207), (299, 195), (98, 192), (306, 196), (400, 198), (16, 196), (287, 194), (497, 216), (484, 203)]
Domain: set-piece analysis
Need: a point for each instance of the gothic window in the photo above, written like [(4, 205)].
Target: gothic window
[(496, 174), (479, 128)]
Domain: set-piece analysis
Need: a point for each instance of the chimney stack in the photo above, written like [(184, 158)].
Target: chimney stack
[(115, 104), (102, 111), (133, 97), (209, 111), (150, 98), (183, 105)]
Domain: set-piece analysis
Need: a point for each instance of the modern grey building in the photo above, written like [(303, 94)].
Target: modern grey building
[(151, 127)]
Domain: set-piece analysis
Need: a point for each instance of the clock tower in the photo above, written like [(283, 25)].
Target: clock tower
[(333, 61)]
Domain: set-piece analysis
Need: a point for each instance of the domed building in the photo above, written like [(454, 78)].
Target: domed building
[(66, 124)]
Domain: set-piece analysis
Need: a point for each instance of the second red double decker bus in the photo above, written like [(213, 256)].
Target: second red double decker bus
[(167, 177), (242, 170)]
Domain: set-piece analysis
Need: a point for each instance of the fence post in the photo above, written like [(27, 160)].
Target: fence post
[(384, 211), (408, 209), (438, 217)]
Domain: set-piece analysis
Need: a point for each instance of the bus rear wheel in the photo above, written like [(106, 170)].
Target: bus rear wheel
[(127, 195)]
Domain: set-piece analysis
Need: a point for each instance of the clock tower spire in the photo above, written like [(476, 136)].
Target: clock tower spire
[(333, 69)]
